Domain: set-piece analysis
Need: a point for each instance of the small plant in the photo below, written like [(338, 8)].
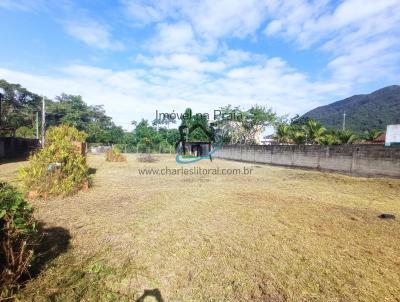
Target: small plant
[(60, 167), (18, 234), (114, 155)]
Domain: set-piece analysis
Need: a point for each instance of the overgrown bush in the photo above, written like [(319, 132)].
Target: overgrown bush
[(114, 155), (18, 234), (60, 167)]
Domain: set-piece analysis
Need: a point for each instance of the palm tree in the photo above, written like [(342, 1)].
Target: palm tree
[(372, 134), (314, 131), (282, 134), (330, 139), (346, 136), (298, 137)]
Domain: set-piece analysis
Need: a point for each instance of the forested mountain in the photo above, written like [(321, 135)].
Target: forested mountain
[(363, 112)]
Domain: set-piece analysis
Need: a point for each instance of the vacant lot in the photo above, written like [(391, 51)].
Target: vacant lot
[(276, 235)]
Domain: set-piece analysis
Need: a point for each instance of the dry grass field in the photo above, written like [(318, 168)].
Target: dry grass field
[(277, 235)]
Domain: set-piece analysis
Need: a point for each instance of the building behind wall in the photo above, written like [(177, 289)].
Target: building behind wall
[(392, 136)]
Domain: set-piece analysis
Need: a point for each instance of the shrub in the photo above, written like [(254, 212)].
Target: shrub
[(18, 234), (60, 167), (114, 155)]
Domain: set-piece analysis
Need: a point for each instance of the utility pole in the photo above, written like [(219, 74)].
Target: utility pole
[(344, 121), (0, 108), (1, 98), (43, 120), (37, 124)]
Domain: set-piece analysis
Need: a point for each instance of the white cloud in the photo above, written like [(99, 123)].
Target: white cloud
[(10, 4), (345, 31), (209, 18), (144, 12), (177, 37), (182, 62), (226, 17), (176, 81), (93, 34), (237, 57), (274, 27), (204, 22), (187, 60), (76, 22), (361, 36), (27, 5)]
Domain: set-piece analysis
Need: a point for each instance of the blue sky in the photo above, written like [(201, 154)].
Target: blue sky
[(136, 57)]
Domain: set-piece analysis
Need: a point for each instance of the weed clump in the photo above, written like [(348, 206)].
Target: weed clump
[(60, 167), (18, 235), (147, 158), (114, 155)]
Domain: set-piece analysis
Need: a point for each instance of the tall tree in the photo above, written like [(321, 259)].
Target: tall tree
[(18, 106), (244, 127)]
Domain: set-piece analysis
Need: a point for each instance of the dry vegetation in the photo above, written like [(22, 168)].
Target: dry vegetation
[(115, 155), (277, 235), (60, 167), (147, 158)]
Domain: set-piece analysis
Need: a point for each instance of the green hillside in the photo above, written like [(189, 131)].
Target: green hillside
[(363, 112)]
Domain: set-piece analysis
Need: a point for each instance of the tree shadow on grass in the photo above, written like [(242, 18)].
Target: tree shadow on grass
[(12, 160), (151, 293), (53, 241)]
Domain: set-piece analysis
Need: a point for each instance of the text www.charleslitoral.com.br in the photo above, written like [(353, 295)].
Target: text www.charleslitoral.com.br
[(195, 171)]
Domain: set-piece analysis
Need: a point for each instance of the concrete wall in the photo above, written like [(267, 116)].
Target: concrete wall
[(362, 160), (15, 147)]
